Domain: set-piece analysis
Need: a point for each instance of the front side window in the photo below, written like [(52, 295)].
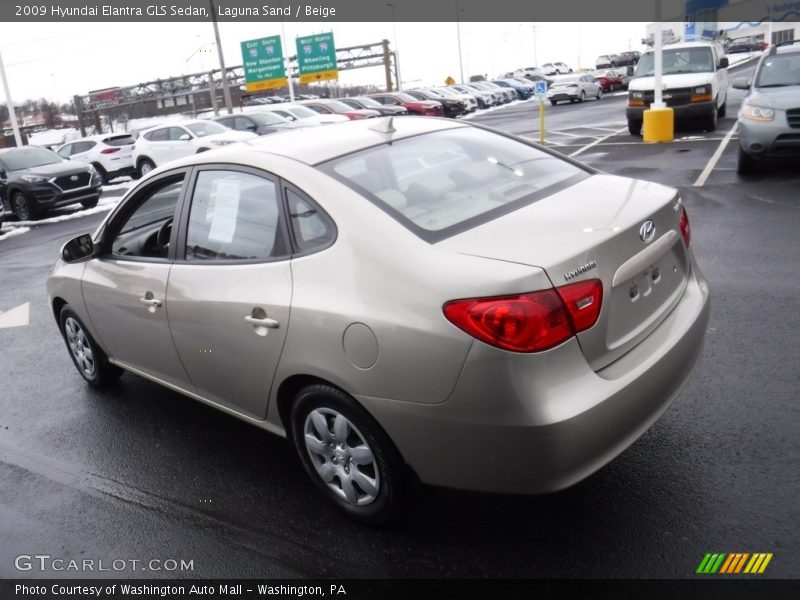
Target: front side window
[(446, 181), (234, 216), (205, 128), (146, 231)]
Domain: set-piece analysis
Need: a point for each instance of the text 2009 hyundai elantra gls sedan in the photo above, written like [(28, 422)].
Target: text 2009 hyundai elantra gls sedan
[(417, 299)]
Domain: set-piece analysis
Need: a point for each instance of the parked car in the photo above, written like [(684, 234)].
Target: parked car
[(575, 88), (769, 118), (624, 74), (531, 73), (260, 101), (35, 180), (451, 106), (164, 143), (470, 100), (485, 98), (558, 68), (695, 82), (335, 107), (304, 115), (467, 303), (506, 94), (523, 91), (606, 61), (628, 58), (370, 104), (413, 105), (109, 153), (608, 78), (744, 46), (260, 123)]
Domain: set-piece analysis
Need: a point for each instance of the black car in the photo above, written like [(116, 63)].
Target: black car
[(625, 59), (450, 106), (361, 102), (740, 47), (34, 180)]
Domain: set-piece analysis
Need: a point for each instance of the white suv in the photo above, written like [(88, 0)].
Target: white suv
[(171, 141), (109, 153)]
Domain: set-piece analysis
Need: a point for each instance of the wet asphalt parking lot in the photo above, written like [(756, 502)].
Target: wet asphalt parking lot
[(139, 472)]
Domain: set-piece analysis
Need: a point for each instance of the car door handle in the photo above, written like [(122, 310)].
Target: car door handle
[(151, 302), (265, 322)]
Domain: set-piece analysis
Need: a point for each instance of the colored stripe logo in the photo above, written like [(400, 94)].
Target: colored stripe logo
[(734, 563)]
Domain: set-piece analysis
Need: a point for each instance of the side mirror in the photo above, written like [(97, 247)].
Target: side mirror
[(723, 62), (79, 248), (185, 137), (2, 174), (741, 84)]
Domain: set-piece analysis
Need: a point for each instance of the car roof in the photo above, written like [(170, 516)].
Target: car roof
[(175, 124), (99, 136), (788, 48), (329, 141)]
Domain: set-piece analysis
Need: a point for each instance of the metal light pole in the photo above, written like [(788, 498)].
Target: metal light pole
[(11, 113), (226, 90), (396, 49), (458, 33), (658, 100)]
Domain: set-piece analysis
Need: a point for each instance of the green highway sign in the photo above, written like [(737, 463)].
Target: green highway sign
[(316, 58), (263, 64)]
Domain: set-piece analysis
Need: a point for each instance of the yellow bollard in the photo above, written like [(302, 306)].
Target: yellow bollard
[(659, 125)]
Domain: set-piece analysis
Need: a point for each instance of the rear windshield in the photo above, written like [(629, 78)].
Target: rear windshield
[(119, 140), (442, 183)]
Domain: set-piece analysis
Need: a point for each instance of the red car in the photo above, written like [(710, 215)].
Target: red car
[(334, 107), (429, 108), (608, 79)]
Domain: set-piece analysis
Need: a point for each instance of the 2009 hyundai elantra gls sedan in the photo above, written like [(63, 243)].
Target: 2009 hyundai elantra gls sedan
[(408, 300)]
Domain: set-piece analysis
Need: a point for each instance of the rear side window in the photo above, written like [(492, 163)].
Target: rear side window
[(310, 227), (445, 182), (158, 135)]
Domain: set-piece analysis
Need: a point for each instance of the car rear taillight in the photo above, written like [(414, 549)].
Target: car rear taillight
[(109, 150), (529, 322), (686, 229)]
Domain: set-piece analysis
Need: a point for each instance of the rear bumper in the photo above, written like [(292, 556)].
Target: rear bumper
[(520, 423)]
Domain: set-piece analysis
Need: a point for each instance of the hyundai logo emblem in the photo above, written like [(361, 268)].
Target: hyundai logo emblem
[(74, 178), (647, 231)]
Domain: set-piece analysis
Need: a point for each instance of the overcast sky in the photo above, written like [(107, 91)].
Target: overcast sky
[(58, 60)]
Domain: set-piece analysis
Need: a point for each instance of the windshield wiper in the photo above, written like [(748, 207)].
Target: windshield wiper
[(769, 85)]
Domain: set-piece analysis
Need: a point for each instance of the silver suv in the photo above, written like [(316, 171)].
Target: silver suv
[(769, 120)]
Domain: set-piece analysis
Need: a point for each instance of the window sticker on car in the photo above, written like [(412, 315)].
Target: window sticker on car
[(225, 207)]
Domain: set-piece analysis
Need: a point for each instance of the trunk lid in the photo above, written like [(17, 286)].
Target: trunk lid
[(592, 231)]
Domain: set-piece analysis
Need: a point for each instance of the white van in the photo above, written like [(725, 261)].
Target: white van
[(694, 82)]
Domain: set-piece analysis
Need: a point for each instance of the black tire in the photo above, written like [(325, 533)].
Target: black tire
[(144, 166), (722, 109), (746, 164), (84, 351), (553, 102), (599, 95), (711, 121), (582, 97), (102, 172), (635, 127), (387, 466), (90, 203), (22, 207)]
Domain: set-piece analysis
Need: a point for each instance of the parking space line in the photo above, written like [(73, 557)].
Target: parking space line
[(715, 157), (577, 135), (597, 141)]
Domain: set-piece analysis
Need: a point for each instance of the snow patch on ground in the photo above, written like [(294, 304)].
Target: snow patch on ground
[(494, 108), (9, 232)]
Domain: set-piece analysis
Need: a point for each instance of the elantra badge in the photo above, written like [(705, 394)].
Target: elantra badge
[(647, 231)]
